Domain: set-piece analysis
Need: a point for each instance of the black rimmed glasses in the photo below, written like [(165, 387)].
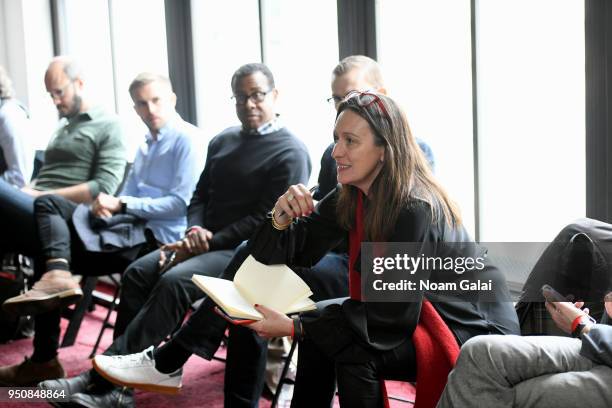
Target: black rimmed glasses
[(256, 97), (335, 99)]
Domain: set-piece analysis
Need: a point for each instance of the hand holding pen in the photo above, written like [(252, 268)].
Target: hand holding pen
[(296, 202), (167, 259)]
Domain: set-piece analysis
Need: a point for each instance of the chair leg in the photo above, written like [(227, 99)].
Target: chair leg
[(224, 341), (79, 312), (283, 378), (105, 323), (401, 399)]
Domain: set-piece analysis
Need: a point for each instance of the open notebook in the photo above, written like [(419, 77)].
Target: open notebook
[(274, 286)]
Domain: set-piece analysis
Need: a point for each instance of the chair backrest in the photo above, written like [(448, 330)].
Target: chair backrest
[(39, 160), (436, 353)]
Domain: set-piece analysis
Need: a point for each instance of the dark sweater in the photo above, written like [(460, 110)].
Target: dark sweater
[(243, 177)]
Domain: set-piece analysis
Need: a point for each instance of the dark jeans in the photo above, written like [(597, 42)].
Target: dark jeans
[(18, 229), (247, 352), (59, 239), (153, 304), (358, 383)]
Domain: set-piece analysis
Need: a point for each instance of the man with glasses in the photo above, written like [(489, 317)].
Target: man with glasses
[(85, 157), (247, 168)]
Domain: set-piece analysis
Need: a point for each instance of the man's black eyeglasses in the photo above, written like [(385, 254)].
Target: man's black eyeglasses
[(256, 97), (335, 99)]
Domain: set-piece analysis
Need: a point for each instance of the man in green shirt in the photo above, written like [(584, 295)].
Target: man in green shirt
[(86, 156)]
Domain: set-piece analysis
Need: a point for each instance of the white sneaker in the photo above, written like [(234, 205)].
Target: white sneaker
[(138, 371)]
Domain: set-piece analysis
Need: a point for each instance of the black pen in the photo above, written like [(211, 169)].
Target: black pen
[(170, 257)]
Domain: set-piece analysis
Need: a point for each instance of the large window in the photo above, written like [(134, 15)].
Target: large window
[(425, 52), (225, 36), (300, 42), (87, 38), (225, 39), (113, 46), (531, 117), (139, 44), (26, 32), (530, 105)]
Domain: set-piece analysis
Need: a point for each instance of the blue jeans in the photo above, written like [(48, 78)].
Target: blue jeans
[(18, 231)]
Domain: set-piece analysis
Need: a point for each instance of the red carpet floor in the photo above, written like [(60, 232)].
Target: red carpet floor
[(202, 380)]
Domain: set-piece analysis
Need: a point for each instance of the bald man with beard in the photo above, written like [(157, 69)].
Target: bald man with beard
[(85, 157)]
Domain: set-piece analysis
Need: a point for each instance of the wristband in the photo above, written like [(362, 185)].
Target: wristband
[(297, 332), (57, 264), (123, 207), (576, 322), (578, 332), (579, 324)]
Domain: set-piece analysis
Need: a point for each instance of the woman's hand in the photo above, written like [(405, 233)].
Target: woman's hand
[(564, 313), (274, 324), (296, 202)]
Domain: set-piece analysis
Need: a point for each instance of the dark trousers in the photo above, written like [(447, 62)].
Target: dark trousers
[(17, 226), (153, 304), (358, 382), (247, 352), (59, 239)]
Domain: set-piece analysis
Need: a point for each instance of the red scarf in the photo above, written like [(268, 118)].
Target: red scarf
[(435, 344), (355, 239)]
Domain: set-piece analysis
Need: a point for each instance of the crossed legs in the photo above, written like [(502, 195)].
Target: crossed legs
[(533, 371)]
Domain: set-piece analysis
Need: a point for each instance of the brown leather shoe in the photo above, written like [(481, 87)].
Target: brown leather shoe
[(55, 289), (30, 373)]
